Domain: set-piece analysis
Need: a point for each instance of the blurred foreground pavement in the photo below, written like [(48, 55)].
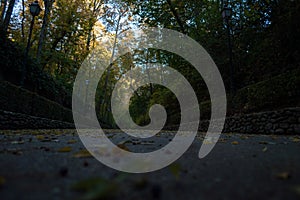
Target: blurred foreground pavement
[(53, 164)]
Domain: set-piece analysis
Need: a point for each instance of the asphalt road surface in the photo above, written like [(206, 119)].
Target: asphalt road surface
[(53, 164)]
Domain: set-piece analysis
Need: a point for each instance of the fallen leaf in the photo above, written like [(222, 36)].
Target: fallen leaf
[(17, 142), (296, 140), (283, 175), (270, 143), (263, 142), (72, 141), (96, 188), (244, 137), (274, 137), (65, 149), (82, 154), (264, 149), (175, 169), (207, 142), (123, 146), (235, 142), (40, 137), (222, 140), (2, 181)]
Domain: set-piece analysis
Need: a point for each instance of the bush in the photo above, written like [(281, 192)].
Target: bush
[(278, 92)]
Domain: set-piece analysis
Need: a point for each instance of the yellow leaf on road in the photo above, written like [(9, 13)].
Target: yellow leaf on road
[(235, 142), (283, 175), (72, 141), (122, 146), (244, 137), (65, 149), (296, 140), (40, 137), (2, 181), (175, 169), (82, 154)]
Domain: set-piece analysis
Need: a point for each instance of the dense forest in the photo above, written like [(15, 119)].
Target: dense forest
[(264, 40)]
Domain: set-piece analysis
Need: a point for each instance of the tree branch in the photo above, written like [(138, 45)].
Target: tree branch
[(176, 15)]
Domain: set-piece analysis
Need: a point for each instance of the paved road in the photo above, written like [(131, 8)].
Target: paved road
[(53, 164)]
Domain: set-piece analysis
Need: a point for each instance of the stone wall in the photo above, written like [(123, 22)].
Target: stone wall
[(18, 100), (285, 121)]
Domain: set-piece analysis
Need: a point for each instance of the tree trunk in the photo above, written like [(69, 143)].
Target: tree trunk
[(148, 72), (48, 5), (95, 5), (3, 8), (109, 68), (88, 43), (23, 19), (176, 15), (8, 14)]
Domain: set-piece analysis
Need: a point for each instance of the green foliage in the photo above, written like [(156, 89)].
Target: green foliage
[(139, 107)]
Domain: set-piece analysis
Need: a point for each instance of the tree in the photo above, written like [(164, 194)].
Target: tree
[(48, 6), (8, 15), (3, 9), (95, 6)]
